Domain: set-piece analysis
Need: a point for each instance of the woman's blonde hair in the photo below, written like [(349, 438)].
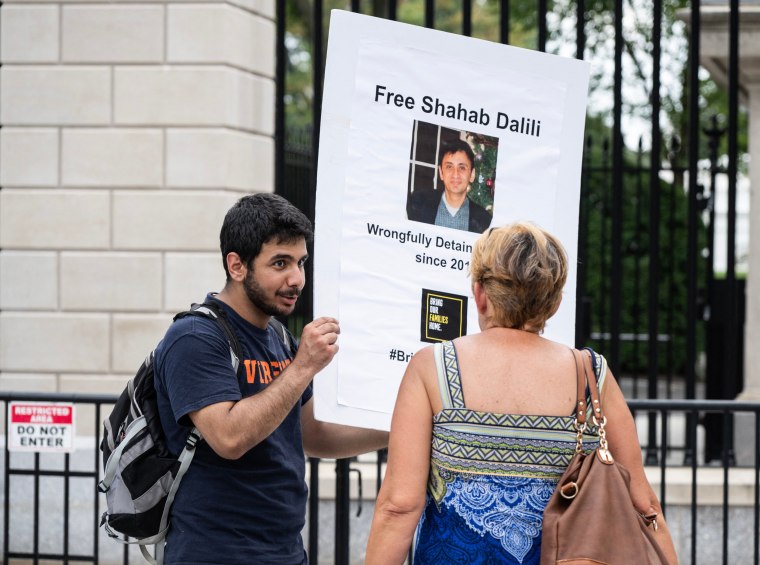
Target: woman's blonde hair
[(522, 269)]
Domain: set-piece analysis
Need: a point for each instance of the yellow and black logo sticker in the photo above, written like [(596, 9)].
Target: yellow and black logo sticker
[(443, 316)]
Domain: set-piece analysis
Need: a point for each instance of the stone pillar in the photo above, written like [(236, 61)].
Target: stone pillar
[(128, 131), (714, 55)]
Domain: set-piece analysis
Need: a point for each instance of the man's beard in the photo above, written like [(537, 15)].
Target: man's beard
[(257, 297)]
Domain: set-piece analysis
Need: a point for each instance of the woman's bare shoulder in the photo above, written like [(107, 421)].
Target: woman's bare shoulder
[(422, 365), (422, 359)]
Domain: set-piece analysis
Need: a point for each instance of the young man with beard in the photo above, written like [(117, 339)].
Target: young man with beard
[(243, 498)]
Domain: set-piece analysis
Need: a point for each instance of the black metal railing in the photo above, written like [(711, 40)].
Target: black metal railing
[(715, 503), (17, 467), (692, 411)]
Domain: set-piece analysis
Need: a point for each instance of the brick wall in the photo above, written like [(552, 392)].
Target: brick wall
[(128, 129)]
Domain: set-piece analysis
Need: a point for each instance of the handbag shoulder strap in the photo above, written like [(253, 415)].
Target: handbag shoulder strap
[(593, 386), (583, 365), (586, 377)]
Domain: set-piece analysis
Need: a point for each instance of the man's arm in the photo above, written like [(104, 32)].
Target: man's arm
[(233, 428), (322, 439)]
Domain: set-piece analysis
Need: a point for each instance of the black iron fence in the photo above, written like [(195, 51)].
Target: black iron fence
[(52, 507), (660, 136)]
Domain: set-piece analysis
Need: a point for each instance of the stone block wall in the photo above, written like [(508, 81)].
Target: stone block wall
[(128, 129)]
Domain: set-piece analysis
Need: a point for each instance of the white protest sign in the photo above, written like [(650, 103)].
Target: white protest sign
[(391, 254), (41, 427)]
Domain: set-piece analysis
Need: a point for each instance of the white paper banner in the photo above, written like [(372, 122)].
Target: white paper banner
[(395, 95)]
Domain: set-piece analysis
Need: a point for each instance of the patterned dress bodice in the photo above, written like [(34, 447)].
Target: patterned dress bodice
[(491, 475)]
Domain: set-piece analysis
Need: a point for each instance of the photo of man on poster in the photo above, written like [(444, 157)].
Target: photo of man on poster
[(450, 206)]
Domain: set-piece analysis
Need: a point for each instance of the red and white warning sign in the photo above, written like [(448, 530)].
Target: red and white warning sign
[(38, 426)]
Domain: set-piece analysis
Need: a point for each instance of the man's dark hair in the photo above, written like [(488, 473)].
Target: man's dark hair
[(257, 219), (453, 147)]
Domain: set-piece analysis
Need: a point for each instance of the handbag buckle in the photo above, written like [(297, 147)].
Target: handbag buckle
[(650, 520), (569, 490), (605, 456)]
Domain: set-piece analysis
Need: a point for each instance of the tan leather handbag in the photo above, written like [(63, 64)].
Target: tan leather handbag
[(590, 519)]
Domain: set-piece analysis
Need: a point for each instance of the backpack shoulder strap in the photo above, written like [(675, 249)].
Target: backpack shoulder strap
[(290, 343), (210, 309), (214, 312)]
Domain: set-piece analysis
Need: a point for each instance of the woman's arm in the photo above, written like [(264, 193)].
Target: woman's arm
[(402, 496), (625, 448)]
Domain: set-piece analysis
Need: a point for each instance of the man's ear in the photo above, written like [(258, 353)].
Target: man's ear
[(236, 267)]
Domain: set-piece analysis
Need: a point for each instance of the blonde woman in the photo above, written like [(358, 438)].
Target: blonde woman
[(483, 426)]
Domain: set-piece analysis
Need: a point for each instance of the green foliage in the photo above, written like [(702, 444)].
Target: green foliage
[(299, 53), (482, 189), (299, 91), (599, 50), (597, 255)]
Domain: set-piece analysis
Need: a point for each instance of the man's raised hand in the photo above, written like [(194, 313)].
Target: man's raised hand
[(319, 344)]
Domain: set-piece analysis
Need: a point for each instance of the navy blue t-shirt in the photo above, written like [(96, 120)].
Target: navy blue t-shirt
[(250, 510)]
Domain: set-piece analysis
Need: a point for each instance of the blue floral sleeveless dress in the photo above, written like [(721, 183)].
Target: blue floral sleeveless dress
[(491, 476)]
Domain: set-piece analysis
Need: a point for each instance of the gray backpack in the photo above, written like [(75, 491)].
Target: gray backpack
[(141, 475)]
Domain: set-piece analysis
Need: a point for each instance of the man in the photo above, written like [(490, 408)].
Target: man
[(243, 499), (451, 207)]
